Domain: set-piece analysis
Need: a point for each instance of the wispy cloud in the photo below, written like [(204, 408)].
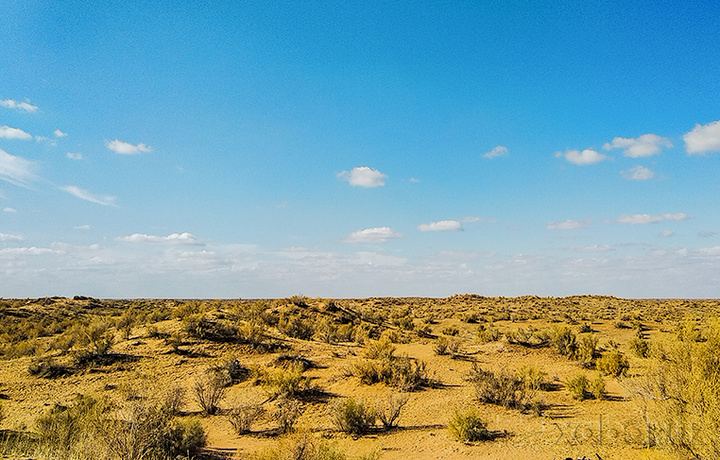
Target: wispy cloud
[(586, 157), (9, 209), (568, 224), (641, 219), (703, 138), (126, 148), (644, 146), (184, 238), (667, 233), (59, 133), (74, 155), (16, 170), (7, 132), (499, 151), (7, 237), (638, 173), (441, 225), (105, 200), (24, 106), (363, 176), (372, 235)]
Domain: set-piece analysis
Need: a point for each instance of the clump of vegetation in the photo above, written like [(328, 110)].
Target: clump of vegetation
[(581, 387), (352, 417), (488, 333), (301, 446), (565, 341), (639, 347), (288, 382), (514, 390), (209, 391), (243, 416), (468, 426), (613, 363), (389, 413)]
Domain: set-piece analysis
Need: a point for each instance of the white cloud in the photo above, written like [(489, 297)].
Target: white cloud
[(414, 180), (592, 248), (28, 251), (16, 170), (703, 138), (82, 227), (586, 157), (363, 176), (9, 209), (644, 146), (5, 237), (377, 259), (59, 133), (640, 219), (706, 234), (7, 132), (24, 106), (638, 173), (568, 224), (105, 200), (499, 151), (441, 225), (372, 235), (184, 238), (74, 155), (125, 148), (667, 233)]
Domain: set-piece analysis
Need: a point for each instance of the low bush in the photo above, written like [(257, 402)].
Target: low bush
[(639, 347), (389, 412), (243, 416), (209, 391), (286, 414), (289, 382), (613, 363), (300, 446), (578, 386), (488, 334), (352, 417), (565, 341), (468, 426)]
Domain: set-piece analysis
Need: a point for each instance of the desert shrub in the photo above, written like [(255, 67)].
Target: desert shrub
[(578, 386), (533, 379), (621, 325), (300, 446), (587, 349), (326, 330), (173, 399), (242, 416), (488, 334), (401, 372), (390, 410), (288, 382), (47, 368), (201, 326), (468, 426), (613, 363), (597, 387), (687, 331), (286, 414), (251, 333), (379, 349), (681, 394), (441, 346), (149, 432), (506, 388), (352, 417), (209, 391), (451, 330), (297, 326), (584, 328), (565, 341), (186, 309), (125, 323), (639, 347), (345, 332), (229, 371)]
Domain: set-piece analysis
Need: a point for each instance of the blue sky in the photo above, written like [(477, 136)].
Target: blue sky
[(249, 149)]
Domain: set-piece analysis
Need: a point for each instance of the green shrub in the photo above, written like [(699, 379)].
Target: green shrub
[(288, 382), (379, 349), (565, 341), (587, 349), (613, 363), (578, 386), (597, 387), (468, 426), (352, 417)]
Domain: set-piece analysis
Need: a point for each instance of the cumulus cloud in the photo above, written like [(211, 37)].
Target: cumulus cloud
[(568, 224), (74, 155), (16, 170), (638, 173), (7, 132), (441, 225), (586, 157), (703, 138), (667, 233), (6, 237), (24, 106), (644, 146), (184, 238), (363, 176), (105, 200), (126, 148), (59, 133), (640, 219), (372, 235), (499, 151)]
